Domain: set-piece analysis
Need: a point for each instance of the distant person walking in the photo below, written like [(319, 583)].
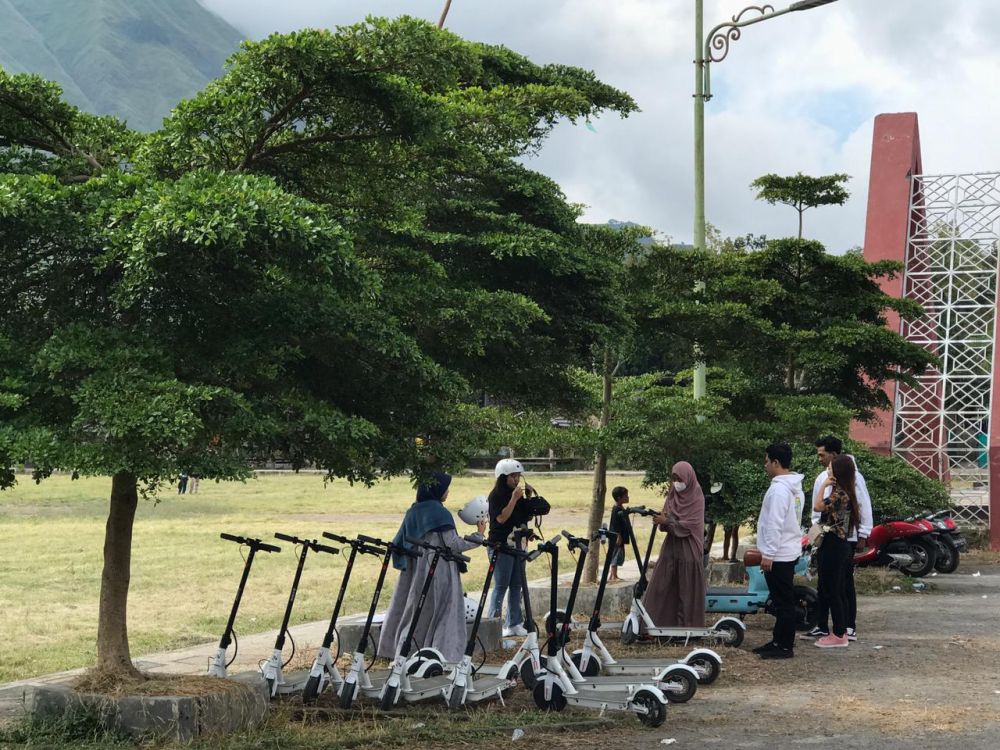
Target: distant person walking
[(182, 484)]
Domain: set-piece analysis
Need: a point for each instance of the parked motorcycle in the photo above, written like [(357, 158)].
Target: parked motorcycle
[(947, 537), (906, 545)]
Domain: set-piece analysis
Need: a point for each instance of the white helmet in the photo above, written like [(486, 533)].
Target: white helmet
[(471, 607), (508, 466), (476, 510)]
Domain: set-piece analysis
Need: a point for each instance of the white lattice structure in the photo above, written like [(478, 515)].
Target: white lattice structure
[(952, 256)]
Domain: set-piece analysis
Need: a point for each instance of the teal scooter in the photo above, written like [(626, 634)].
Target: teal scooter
[(756, 597)]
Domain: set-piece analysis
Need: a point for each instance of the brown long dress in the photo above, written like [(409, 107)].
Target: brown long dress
[(676, 593)]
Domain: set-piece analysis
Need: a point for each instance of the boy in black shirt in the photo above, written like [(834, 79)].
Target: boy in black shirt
[(622, 526)]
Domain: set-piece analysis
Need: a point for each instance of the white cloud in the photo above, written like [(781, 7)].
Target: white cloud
[(798, 92)]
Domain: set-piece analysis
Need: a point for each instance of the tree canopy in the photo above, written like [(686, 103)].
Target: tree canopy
[(324, 254)]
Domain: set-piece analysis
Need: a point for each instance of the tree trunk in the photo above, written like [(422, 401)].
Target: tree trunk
[(790, 374), (600, 477), (112, 632), (800, 224)]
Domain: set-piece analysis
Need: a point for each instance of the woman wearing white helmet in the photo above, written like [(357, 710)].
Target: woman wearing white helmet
[(506, 513)]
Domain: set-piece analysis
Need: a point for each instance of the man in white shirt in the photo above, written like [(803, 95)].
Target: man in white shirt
[(827, 449), (779, 538)]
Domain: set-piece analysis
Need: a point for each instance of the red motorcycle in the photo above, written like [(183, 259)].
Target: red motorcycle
[(907, 545)]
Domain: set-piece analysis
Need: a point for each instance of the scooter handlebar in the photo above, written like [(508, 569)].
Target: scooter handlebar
[(476, 539), (338, 538), (255, 543), (372, 540), (288, 538), (317, 547), (640, 510), (364, 549)]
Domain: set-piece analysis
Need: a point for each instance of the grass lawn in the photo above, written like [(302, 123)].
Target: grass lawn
[(184, 576)]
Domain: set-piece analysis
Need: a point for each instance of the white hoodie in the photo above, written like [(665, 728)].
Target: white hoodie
[(865, 521), (779, 526)]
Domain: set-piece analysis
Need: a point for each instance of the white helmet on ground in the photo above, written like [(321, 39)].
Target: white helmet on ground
[(476, 510), (508, 466), (471, 607)]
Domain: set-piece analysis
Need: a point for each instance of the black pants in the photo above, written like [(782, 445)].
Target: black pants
[(781, 582), (850, 596), (834, 556)]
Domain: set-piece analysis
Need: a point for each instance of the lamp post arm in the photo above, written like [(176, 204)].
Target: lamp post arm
[(717, 40)]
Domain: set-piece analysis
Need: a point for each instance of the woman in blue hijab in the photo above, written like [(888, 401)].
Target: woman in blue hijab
[(442, 621)]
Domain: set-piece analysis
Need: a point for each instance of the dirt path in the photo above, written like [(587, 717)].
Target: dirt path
[(933, 683)]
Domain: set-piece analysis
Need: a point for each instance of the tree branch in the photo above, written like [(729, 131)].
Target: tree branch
[(271, 127)]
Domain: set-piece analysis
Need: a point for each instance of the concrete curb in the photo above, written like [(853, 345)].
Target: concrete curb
[(180, 718)]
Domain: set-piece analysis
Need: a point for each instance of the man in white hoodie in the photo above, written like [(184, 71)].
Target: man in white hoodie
[(827, 449), (779, 538)]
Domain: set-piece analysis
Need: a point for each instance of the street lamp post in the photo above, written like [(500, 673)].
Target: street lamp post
[(707, 50)]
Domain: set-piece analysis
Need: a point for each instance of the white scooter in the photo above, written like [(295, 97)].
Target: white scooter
[(678, 681), (276, 682), (218, 666), (555, 690), (324, 668), (469, 685), (726, 630)]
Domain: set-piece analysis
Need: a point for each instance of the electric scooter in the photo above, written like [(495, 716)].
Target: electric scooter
[(728, 630), (217, 667), (324, 668), (399, 683), (756, 596), (678, 682), (467, 684), (272, 669), (359, 679), (594, 658), (555, 690)]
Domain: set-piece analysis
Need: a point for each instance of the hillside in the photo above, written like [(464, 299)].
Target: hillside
[(132, 58)]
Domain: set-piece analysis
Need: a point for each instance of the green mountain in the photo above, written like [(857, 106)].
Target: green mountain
[(131, 58)]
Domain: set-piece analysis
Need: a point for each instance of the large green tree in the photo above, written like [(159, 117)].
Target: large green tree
[(321, 255)]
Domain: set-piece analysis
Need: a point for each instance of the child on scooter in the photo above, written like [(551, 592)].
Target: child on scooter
[(622, 526)]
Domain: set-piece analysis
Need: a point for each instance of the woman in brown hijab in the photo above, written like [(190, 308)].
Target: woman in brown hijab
[(676, 593)]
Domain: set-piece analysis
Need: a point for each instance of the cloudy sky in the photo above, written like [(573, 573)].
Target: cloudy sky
[(797, 93)]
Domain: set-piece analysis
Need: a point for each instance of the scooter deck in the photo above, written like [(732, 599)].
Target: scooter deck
[(426, 687), (648, 667), (730, 591)]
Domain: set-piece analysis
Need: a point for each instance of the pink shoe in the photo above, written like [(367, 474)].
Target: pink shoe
[(832, 641)]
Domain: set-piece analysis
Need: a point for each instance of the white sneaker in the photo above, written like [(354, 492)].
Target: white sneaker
[(852, 634), (518, 630)]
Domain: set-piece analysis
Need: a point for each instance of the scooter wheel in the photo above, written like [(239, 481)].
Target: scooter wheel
[(270, 687), (388, 699), (528, 677), (731, 632), (434, 670), (593, 665), (707, 667), (628, 633), (947, 559), (556, 703), (311, 691), (679, 685), (924, 555), (656, 712)]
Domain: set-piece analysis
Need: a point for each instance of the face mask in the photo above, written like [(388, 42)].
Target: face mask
[(680, 486)]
